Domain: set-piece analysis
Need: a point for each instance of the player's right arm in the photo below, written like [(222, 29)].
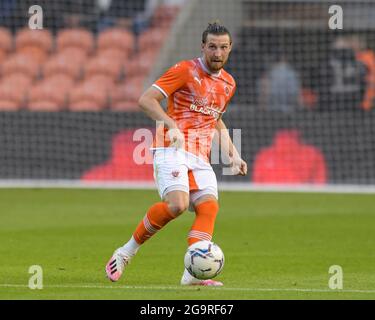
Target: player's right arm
[(165, 86), (149, 103)]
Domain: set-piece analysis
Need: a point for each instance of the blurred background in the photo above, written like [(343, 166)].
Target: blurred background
[(304, 102)]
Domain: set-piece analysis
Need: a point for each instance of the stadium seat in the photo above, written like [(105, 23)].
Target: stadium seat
[(88, 97), (141, 64), (125, 106), (85, 105), (114, 54), (102, 81), (36, 44), (124, 97), (34, 38), (75, 38), (3, 56), (19, 80), (164, 15), (34, 53), (47, 96), (62, 64), (116, 38), (8, 105), (44, 105), (6, 40), (18, 63), (60, 79), (152, 39), (73, 54), (101, 65), (12, 97)]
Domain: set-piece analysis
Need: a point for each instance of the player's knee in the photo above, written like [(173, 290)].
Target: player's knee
[(178, 207)]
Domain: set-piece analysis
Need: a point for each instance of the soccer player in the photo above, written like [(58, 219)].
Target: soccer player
[(198, 93)]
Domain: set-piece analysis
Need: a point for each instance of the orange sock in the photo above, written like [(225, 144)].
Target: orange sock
[(155, 219), (203, 226)]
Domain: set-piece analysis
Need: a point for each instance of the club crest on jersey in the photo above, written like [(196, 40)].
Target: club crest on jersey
[(226, 89), (175, 173)]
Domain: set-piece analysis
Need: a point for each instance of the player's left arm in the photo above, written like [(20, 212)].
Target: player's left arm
[(239, 166)]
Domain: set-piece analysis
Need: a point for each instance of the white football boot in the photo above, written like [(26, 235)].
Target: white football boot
[(116, 265)]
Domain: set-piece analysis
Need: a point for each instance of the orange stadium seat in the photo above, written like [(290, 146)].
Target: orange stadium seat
[(152, 39), (44, 105), (6, 43), (75, 38), (62, 64), (46, 96), (101, 65), (164, 15), (8, 105), (125, 106), (34, 38), (74, 54), (88, 97), (116, 38), (61, 80), (85, 105), (124, 97), (12, 97), (19, 80), (36, 44), (19, 63), (141, 64), (113, 54), (33, 53), (6, 40), (3, 56), (100, 80)]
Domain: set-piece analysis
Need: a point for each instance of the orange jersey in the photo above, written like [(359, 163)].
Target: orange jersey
[(196, 100)]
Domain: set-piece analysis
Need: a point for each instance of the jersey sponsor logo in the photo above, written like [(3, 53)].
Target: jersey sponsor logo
[(211, 111)]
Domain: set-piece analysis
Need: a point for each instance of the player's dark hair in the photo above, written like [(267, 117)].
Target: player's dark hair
[(217, 29)]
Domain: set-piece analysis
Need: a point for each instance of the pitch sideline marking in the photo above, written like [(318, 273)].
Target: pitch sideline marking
[(223, 186), (94, 286)]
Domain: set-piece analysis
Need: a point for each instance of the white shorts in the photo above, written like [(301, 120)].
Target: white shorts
[(183, 171)]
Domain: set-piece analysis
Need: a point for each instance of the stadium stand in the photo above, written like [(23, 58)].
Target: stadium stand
[(95, 62)]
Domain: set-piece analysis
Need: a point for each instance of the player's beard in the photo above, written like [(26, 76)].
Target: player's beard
[(216, 66)]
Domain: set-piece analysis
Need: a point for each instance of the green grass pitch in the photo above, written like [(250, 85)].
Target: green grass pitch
[(276, 245)]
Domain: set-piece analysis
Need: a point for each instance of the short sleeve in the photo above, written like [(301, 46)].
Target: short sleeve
[(231, 94), (173, 79)]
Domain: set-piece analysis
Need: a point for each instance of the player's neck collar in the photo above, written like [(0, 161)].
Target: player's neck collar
[(205, 68)]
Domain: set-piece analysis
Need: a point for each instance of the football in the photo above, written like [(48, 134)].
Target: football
[(204, 260)]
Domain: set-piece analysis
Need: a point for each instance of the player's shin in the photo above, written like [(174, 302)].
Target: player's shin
[(155, 219), (203, 226)]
